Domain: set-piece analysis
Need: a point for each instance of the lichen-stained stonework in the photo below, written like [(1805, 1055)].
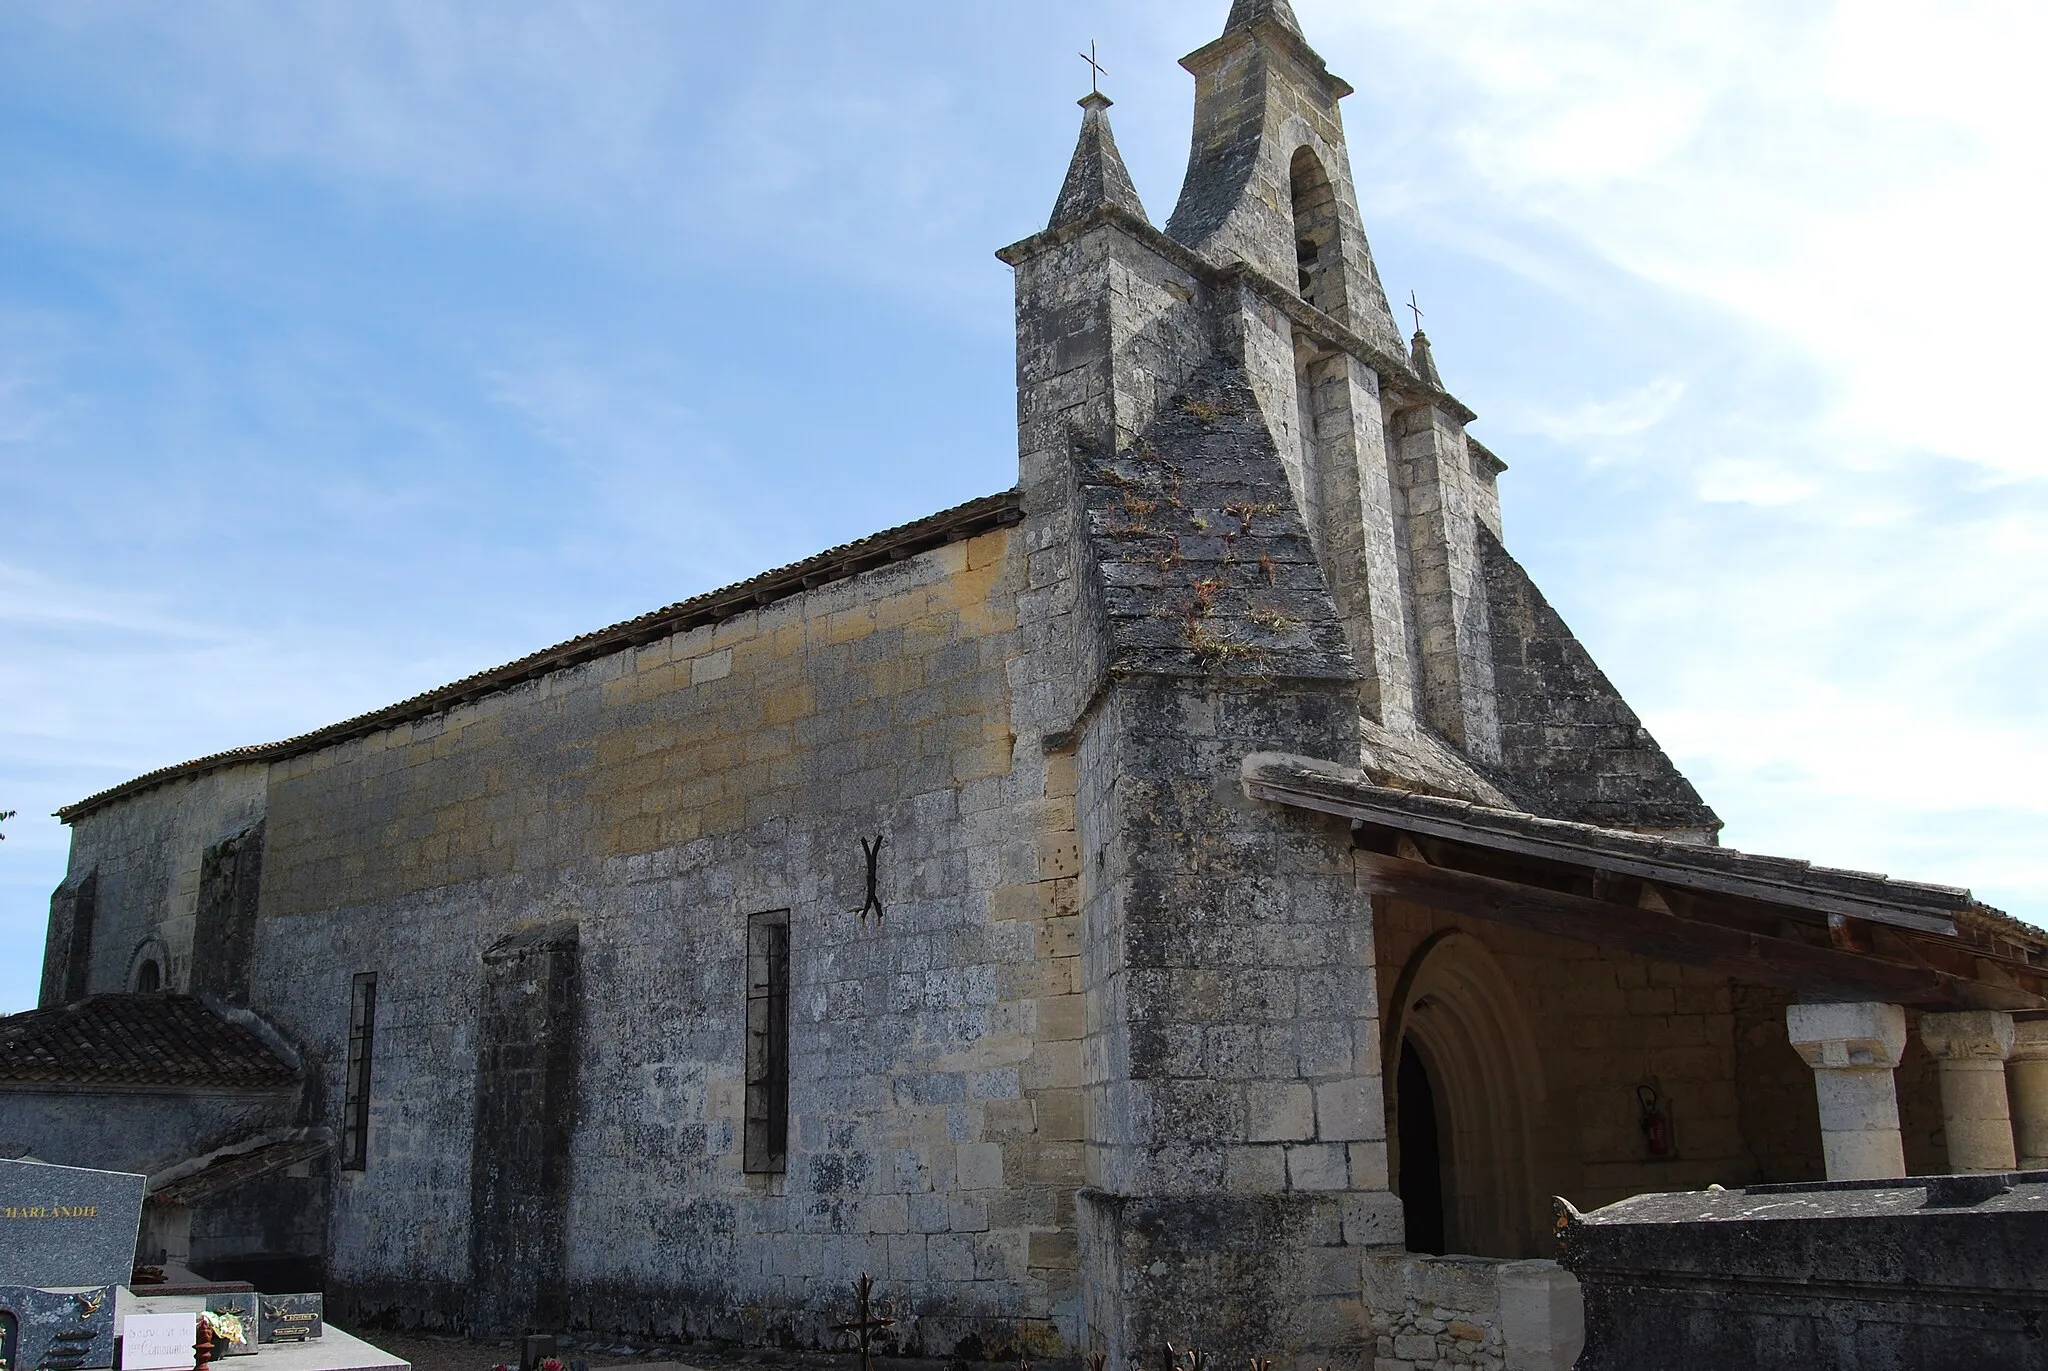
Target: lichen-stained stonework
[(655, 800)]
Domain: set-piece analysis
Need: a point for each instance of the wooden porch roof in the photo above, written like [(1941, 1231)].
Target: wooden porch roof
[(1826, 934)]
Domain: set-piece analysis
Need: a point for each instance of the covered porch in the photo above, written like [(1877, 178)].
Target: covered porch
[(1576, 1012)]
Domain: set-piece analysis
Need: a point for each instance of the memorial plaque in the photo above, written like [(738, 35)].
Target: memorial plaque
[(56, 1330), (159, 1342), (243, 1307), (290, 1318), (62, 1228)]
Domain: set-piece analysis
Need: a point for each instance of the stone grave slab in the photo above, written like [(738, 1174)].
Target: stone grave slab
[(56, 1330), (336, 1351), (63, 1228)]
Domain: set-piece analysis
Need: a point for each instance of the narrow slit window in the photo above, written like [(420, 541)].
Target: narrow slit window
[(362, 1031), (767, 1140)]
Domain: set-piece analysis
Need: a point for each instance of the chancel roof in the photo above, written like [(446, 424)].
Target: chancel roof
[(137, 1040)]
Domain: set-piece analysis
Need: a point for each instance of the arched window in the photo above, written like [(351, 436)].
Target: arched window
[(149, 978), (1316, 249)]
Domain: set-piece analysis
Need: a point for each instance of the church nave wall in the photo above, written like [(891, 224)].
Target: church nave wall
[(652, 803)]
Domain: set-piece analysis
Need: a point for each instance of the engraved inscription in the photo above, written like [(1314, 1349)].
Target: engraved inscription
[(30, 1212)]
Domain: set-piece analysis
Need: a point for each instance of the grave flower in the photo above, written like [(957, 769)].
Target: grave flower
[(224, 1326)]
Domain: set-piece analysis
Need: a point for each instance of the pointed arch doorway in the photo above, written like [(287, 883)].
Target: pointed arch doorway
[(1421, 1152), (1467, 1097)]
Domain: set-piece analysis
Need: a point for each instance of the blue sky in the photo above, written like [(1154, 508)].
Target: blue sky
[(350, 346)]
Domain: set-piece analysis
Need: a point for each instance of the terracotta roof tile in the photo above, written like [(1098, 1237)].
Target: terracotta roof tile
[(152, 1040)]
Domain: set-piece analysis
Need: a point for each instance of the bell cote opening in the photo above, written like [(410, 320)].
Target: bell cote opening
[(1317, 252)]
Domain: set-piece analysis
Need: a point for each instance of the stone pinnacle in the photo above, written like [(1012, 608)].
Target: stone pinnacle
[(1098, 176)]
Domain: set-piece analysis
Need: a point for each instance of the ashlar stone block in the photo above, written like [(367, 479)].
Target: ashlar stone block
[(1280, 1112), (1350, 1111), (1318, 1166)]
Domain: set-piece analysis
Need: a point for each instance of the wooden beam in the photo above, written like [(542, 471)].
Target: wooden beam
[(1301, 793), (1819, 971)]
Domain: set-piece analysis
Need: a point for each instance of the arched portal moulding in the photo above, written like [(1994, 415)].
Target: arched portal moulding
[(1460, 1010)]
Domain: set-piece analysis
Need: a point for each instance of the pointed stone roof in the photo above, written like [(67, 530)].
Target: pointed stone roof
[(1203, 564), (1244, 13), (1425, 360), (1098, 176)]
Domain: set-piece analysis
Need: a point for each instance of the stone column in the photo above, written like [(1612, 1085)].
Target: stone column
[(1971, 1049), (1853, 1050), (2026, 1073)]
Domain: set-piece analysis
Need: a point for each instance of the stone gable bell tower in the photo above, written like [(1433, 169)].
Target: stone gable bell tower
[(1264, 272)]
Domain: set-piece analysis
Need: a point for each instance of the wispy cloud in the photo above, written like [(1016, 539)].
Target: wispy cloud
[(1860, 177), (620, 120), (1600, 422)]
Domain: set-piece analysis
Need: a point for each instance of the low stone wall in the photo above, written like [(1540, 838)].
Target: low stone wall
[(1936, 1273), (1473, 1314)]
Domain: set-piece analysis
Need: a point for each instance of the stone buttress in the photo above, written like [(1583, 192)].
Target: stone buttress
[(1178, 618)]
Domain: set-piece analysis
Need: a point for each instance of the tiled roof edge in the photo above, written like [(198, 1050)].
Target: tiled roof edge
[(837, 564), (1951, 901), (137, 1040)]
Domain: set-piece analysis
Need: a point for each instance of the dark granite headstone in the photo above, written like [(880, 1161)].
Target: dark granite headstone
[(290, 1318), (61, 1227), (48, 1330), (243, 1307)]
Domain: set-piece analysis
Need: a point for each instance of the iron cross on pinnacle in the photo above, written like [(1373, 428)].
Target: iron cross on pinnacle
[(1415, 308), (1096, 70)]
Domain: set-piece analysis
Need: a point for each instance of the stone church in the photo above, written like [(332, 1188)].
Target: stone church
[(1203, 893)]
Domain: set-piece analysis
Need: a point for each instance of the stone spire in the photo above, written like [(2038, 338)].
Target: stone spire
[(1245, 13), (1098, 176), (1424, 360)]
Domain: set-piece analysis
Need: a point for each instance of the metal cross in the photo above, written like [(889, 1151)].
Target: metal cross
[(1096, 70), (1415, 308), (864, 1322)]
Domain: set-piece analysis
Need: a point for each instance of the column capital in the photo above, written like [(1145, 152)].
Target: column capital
[(1982, 1035), (2030, 1041), (1844, 1037)]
